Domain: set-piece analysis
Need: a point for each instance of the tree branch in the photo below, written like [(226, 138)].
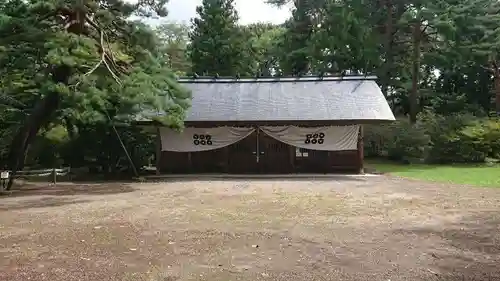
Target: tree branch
[(425, 28), (103, 49), (112, 56), (403, 41), (487, 68), (70, 23), (96, 66)]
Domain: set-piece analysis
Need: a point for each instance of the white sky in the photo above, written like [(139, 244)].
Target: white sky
[(249, 11)]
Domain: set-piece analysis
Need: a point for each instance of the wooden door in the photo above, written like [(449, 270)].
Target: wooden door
[(274, 156), (242, 156)]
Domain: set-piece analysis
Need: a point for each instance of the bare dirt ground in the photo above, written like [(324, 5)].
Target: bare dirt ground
[(344, 228)]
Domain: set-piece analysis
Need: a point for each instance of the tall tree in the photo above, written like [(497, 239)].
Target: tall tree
[(174, 41), (264, 47), (296, 44), (478, 39), (217, 45), (336, 41), (423, 25), (387, 18), (83, 60)]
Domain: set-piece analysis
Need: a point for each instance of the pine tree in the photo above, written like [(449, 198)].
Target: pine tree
[(337, 38), (297, 39), (264, 52), (478, 39), (175, 38), (82, 60), (217, 45), (420, 27)]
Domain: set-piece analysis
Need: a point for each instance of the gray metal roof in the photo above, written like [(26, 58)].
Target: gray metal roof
[(287, 99)]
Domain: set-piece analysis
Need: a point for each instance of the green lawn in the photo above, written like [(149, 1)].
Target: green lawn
[(479, 175)]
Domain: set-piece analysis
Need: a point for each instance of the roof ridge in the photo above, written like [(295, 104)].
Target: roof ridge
[(274, 79)]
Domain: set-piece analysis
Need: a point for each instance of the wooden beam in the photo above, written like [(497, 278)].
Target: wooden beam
[(360, 151)]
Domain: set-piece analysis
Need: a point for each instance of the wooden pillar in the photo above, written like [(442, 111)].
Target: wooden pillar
[(190, 163), (360, 150), (329, 165), (292, 152), (226, 160), (158, 151)]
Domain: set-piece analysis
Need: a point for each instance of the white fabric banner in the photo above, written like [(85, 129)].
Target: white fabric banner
[(333, 138), (201, 139)]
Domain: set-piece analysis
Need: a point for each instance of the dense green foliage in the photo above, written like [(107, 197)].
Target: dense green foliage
[(174, 38), (263, 48), (436, 139), (216, 46), (436, 60), (79, 64), (71, 69)]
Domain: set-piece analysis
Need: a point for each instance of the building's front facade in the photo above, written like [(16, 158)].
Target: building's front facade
[(273, 126)]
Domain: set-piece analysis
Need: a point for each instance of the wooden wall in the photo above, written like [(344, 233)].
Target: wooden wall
[(275, 157)]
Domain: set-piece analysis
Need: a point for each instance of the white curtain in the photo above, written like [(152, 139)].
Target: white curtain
[(333, 138), (201, 139)]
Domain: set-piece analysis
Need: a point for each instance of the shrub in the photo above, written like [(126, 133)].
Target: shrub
[(408, 142), (98, 148), (94, 146), (446, 141), (484, 136), (399, 141), (375, 140), (457, 138), (45, 151), (461, 138)]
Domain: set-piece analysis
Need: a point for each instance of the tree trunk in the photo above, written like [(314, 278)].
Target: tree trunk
[(496, 87), (43, 110), (70, 128), (388, 41), (413, 99)]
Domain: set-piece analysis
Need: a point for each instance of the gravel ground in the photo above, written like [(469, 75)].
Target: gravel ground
[(343, 228)]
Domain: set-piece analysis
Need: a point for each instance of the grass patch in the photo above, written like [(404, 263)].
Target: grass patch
[(479, 175)]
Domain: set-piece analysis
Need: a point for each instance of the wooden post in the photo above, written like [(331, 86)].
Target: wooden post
[(226, 159), (54, 176), (328, 162), (4, 178), (292, 152), (360, 150), (158, 151)]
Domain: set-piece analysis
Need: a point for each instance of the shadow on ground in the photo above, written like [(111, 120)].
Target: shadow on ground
[(472, 247), (256, 178), (45, 202), (35, 189)]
